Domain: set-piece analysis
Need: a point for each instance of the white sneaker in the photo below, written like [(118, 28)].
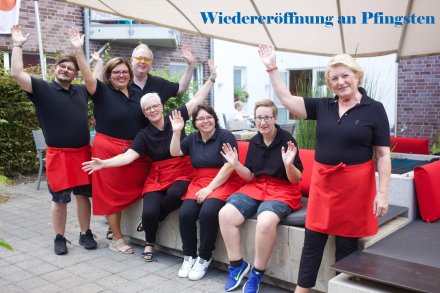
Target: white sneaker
[(188, 263), (199, 269)]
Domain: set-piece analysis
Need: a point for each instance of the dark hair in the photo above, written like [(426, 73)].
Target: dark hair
[(68, 58), (111, 64), (208, 109)]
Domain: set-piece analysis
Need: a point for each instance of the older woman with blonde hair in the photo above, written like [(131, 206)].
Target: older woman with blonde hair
[(351, 128)]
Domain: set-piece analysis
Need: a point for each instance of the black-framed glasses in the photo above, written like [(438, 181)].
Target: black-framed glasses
[(152, 108), (66, 67), (200, 119), (263, 118), (119, 72)]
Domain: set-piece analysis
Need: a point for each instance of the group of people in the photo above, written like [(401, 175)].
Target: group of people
[(141, 152)]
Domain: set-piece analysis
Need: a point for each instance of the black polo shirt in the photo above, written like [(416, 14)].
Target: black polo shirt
[(164, 88), (207, 154), (116, 115), (267, 160), (155, 142), (349, 139), (62, 113)]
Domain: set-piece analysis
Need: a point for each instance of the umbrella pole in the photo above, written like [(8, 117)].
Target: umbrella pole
[(397, 97), (40, 42)]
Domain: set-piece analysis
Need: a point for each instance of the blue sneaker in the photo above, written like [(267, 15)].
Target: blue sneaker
[(236, 275), (253, 283)]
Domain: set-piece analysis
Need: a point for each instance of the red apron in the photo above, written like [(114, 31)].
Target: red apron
[(164, 173), (202, 179), (114, 189), (341, 200), (266, 188), (64, 167)]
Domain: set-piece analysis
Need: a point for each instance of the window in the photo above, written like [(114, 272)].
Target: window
[(178, 69), (283, 115)]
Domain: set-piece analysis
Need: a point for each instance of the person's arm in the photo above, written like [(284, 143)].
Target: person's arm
[(186, 78), (201, 95), (77, 41), (120, 160), (383, 158), (288, 155), (98, 71), (177, 123), (231, 156), (294, 104), (18, 74), (222, 176)]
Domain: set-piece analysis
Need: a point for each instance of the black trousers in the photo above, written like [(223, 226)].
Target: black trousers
[(159, 204), (311, 257), (207, 214)]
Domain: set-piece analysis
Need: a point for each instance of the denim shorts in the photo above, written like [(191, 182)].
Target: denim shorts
[(248, 206), (63, 196)]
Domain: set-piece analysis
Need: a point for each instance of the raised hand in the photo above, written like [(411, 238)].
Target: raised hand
[(267, 55), (177, 121), (289, 154), (202, 194), (94, 165), (95, 56), (230, 154), (212, 69), (187, 55), (76, 39), (17, 35)]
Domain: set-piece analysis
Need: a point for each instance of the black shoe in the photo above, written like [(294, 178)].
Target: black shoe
[(87, 240), (60, 246)]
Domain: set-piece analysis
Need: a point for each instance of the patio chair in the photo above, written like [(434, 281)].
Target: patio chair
[(40, 146)]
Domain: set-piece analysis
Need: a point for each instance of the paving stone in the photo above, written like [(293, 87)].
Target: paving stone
[(42, 268), (16, 275), (89, 288), (150, 281), (111, 281), (11, 289), (50, 288), (32, 283)]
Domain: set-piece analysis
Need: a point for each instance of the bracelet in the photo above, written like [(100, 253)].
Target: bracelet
[(17, 45), (212, 79), (271, 69)]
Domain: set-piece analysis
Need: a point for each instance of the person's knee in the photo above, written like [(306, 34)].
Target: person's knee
[(267, 222)]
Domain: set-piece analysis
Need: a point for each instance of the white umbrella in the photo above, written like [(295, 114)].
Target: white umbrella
[(377, 27)]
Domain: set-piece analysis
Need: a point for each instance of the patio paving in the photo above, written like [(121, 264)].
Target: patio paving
[(25, 223)]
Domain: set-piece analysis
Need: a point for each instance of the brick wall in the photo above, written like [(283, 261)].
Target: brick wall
[(57, 18), (418, 108)]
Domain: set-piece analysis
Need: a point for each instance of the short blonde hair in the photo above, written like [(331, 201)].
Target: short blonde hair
[(142, 47), (266, 103), (347, 61), (150, 96)]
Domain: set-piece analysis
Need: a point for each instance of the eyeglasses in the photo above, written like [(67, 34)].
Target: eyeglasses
[(263, 118), (66, 67), (123, 72), (200, 119), (152, 108), (143, 59)]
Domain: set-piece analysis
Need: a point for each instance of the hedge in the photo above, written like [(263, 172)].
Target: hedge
[(17, 120)]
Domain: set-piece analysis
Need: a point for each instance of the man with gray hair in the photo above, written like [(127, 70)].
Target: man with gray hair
[(142, 62)]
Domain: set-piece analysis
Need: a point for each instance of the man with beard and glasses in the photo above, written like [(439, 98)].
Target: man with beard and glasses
[(61, 109)]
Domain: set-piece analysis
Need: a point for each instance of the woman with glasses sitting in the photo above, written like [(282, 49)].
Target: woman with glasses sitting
[(214, 181), (169, 177), (272, 171)]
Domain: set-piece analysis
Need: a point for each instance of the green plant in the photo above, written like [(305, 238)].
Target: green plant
[(240, 94), (18, 119), (5, 245), (306, 129), (435, 150)]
